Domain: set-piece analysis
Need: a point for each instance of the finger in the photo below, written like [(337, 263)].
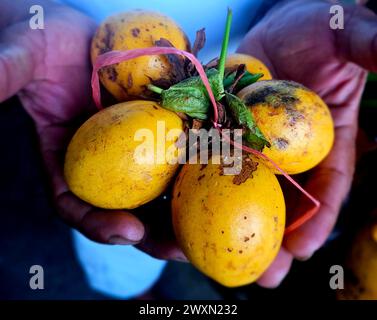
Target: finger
[(159, 242), (357, 42), (331, 180), (329, 183), (277, 271), (100, 225), (19, 57), (104, 226), (165, 250)]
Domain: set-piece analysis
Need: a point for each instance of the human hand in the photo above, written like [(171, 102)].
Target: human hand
[(50, 71), (296, 42)]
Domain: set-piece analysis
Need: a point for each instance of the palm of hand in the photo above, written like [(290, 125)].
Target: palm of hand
[(58, 97), (60, 88), (54, 84), (58, 92), (296, 43)]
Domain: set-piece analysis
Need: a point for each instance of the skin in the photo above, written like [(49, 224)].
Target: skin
[(332, 63), (103, 166), (229, 232), (294, 120), (252, 64), (361, 276), (42, 77), (53, 84), (133, 30)]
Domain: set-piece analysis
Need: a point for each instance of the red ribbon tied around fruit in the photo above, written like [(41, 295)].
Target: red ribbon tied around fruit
[(113, 57)]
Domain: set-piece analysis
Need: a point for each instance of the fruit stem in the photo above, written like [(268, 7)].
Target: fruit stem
[(224, 47), (154, 88)]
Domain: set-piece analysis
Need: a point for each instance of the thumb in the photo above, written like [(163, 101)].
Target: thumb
[(357, 42), (21, 52)]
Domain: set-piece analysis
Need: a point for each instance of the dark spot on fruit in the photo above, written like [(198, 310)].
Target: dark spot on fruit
[(240, 251), (230, 249), (248, 167), (246, 239), (273, 113), (281, 143), (276, 94), (245, 217), (107, 40), (253, 235), (206, 209), (112, 73), (179, 194), (201, 177), (152, 115), (154, 107), (161, 24), (294, 116), (147, 30), (116, 117), (259, 96), (129, 81), (135, 32), (222, 231), (297, 85), (203, 166)]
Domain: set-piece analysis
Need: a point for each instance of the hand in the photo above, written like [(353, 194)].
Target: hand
[(50, 71), (296, 43)]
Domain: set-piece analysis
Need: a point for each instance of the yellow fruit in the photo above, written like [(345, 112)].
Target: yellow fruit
[(253, 65), (361, 272), (133, 30), (105, 164), (294, 120), (229, 232)]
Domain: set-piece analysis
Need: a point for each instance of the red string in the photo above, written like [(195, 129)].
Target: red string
[(113, 57)]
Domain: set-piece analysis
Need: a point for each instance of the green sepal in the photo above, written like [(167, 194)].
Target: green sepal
[(247, 79), (191, 97), (253, 136)]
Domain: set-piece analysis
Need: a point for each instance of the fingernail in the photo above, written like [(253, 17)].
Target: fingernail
[(120, 240), (274, 282), (304, 258), (181, 259)]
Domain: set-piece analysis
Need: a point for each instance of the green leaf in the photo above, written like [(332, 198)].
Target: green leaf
[(247, 79), (253, 136), (191, 97)]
